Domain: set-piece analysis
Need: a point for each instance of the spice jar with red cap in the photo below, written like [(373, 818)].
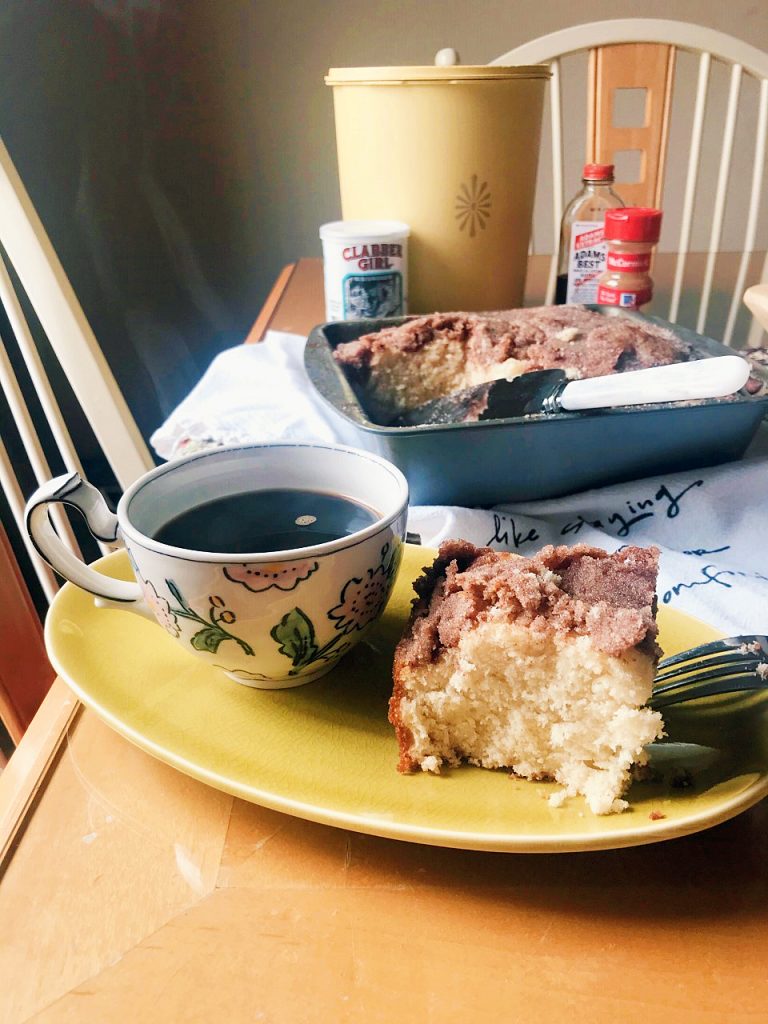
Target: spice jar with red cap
[(630, 235), (582, 251)]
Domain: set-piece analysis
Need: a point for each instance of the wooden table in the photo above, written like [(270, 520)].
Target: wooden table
[(133, 893)]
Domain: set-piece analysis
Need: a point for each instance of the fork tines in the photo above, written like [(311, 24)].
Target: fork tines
[(710, 668), (723, 666), (733, 644)]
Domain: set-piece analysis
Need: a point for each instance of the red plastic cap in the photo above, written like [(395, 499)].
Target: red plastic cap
[(633, 224), (598, 172)]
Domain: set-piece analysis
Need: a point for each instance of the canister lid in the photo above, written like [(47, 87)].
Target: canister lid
[(431, 73), (364, 230)]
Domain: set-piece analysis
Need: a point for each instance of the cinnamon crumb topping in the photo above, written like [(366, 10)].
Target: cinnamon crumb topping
[(577, 590), (545, 337)]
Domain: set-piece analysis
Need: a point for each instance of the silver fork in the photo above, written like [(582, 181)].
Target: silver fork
[(723, 666)]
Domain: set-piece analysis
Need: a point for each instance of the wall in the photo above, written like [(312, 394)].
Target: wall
[(181, 153)]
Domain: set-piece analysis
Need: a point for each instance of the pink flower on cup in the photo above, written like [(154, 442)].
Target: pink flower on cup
[(361, 601), (257, 577), (160, 608)]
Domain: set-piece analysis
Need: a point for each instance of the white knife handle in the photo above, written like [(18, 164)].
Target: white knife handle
[(701, 378)]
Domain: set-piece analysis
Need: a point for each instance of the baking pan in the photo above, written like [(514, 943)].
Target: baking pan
[(539, 456)]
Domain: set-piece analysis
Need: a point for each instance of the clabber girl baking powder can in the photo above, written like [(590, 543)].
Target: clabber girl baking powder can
[(365, 269)]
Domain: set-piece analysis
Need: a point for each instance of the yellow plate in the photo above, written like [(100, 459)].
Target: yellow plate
[(326, 752)]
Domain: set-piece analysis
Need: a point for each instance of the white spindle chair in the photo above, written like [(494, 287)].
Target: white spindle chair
[(27, 258), (636, 40), (27, 249)]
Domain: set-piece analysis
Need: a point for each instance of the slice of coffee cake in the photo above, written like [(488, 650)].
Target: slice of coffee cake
[(541, 665)]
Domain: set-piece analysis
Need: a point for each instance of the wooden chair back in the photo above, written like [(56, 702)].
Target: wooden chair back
[(640, 66), (641, 53), (32, 280)]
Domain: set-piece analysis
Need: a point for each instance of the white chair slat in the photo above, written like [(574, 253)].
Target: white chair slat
[(69, 333), (18, 406), (556, 121), (20, 411), (15, 498), (720, 194), (36, 371), (31, 443), (691, 180), (755, 194)]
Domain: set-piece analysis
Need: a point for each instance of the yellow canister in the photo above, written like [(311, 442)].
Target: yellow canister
[(453, 152)]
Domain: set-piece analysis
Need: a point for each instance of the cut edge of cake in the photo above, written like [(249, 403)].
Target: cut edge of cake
[(542, 666)]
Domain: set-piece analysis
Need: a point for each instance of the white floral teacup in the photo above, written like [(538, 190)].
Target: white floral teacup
[(268, 619)]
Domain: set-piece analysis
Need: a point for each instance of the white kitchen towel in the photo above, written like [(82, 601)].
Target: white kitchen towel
[(250, 393), (710, 524)]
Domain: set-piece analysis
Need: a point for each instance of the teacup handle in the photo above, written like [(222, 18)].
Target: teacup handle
[(71, 489)]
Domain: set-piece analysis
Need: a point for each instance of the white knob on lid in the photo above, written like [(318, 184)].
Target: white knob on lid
[(447, 57)]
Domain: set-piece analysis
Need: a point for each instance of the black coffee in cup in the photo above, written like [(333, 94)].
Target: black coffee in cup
[(268, 520)]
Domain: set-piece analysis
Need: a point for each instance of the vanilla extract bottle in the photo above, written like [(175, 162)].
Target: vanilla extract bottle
[(581, 259)]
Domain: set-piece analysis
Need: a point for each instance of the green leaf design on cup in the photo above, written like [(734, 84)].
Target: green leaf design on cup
[(208, 639), (360, 602), (296, 636), (213, 632)]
